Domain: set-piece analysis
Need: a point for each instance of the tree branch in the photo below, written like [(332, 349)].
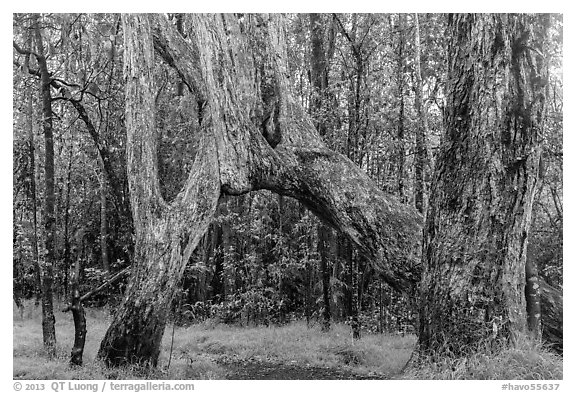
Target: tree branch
[(83, 115), (24, 51), (93, 292)]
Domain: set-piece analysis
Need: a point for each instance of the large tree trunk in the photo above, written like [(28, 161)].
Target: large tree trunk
[(218, 67), (476, 232), (255, 135), (166, 234)]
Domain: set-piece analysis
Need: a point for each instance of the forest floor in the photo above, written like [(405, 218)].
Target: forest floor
[(215, 351)]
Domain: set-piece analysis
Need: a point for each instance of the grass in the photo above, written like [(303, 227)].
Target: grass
[(529, 360), (296, 344), (197, 348)]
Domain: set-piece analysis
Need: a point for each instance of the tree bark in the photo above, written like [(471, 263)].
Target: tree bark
[(237, 156), (400, 147), (67, 247), (421, 156), (48, 320), (475, 237), (319, 68), (532, 293), (79, 317), (165, 234), (325, 239), (32, 152), (318, 72), (104, 217), (355, 301)]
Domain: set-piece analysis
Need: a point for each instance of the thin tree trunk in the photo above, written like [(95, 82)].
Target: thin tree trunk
[(421, 156), (380, 309), (32, 153), (79, 317), (532, 293), (325, 239), (320, 82), (104, 218), (226, 254), (218, 262), (400, 147), (355, 322), (67, 224), (318, 72), (48, 320)]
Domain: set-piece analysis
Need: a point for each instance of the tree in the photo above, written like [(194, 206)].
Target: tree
[(320, 105), (47, 278), (238, 152), (475, 237), (166, 234), (401, 94), (48, 320), (421, 156)]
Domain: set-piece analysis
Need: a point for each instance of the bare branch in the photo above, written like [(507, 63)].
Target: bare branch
[(93, 292), (24, 51)]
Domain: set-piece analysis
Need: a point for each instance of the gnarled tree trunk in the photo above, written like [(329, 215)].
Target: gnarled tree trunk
[(476, 233), (166, 234), (255, 135), (240, 152)]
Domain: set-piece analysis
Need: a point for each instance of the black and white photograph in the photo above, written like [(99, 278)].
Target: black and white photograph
[(233, 196)]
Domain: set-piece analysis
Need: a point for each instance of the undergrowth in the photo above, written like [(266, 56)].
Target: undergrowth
[(527, 360), (196, 349), (195, 352)]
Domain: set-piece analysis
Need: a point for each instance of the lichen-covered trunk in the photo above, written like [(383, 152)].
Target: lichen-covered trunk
[(136, 331), (166, 234), (254, 135), (286, 154), (475, 237)]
